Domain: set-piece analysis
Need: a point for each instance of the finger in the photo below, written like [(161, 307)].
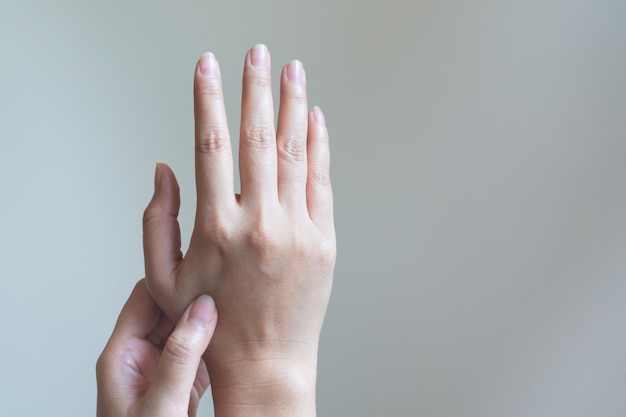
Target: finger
[(162, 329), (137, 318), (161, 233), (200, 386), (257, 148), (214, 160), (319, 193), (182, 353), (291, 137)]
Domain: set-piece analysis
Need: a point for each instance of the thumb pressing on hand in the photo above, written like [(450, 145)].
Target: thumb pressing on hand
[(181, 355)]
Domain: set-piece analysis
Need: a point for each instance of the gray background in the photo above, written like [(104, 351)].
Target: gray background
[(478, 153)]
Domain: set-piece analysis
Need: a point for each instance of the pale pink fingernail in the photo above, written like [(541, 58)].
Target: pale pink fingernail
[(295, 71), (208, 65), (260, 56), (318, 116), (202, 311)]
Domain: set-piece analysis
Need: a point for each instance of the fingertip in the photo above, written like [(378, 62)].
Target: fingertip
[(318, 116), (202, 311), (162, 173), (259, 56), (182, 353), (166, 187), (294, 72), (207, 65)]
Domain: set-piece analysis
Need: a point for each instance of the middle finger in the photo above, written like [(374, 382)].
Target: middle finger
[(257, 147)]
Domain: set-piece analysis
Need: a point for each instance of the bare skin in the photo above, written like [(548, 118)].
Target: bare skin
[(266, 256), (142, 372)]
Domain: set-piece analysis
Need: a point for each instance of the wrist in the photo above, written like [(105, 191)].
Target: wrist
[(269, 387)]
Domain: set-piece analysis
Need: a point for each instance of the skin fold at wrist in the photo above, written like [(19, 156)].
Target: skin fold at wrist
[(264, 387)]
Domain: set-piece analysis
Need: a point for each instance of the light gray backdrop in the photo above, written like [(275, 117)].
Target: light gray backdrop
[(478, 153)]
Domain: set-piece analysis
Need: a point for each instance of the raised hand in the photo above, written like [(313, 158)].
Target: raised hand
[(267, 255)]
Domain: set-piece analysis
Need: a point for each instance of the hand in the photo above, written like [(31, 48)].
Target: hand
[(266, 256), (135, 378)]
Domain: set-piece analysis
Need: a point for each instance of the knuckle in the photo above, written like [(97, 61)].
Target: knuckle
[(327, 253), (102, 364), (262, 241), (219, 233), (292, 150), (326, 261), (260, 79), (209, 89), (213, 140), (179, 350), (149, 214), (320, 175), (259, 135), (111, 358), (300, 249), (259, 239), (297, 95)]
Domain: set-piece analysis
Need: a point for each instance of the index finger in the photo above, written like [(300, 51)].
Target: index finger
[(214, 160), (138, 316)]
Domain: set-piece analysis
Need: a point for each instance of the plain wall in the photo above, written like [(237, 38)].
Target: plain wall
[(479, 171)]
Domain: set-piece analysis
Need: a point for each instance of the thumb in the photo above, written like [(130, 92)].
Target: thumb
[(178, 366), (161, 234)]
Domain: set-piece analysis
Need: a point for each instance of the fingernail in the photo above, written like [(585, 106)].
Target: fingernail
[(260, 56), (208, 65), (202, 311), (318, 116), (157, 177), (295, 71)]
